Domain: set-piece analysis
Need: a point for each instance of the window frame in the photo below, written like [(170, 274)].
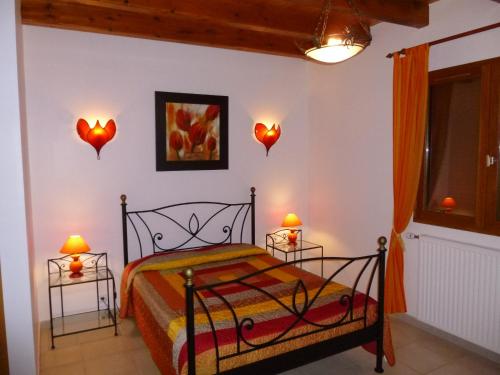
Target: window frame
[(484, 219)]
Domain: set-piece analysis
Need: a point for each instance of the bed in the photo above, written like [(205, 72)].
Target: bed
[(207, 302)]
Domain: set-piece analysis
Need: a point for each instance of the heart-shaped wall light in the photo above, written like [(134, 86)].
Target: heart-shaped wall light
[(268, 137), (96, 136)]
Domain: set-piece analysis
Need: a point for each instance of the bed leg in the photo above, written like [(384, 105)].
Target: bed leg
[(380, 357), (381, 288), (189, 274)]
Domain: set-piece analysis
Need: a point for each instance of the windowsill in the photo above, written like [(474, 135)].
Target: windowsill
[(449, 220)]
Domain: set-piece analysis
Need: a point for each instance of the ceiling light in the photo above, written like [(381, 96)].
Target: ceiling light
[(335, 48)]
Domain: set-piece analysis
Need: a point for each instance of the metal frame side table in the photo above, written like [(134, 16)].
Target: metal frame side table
[(95, 270), (278, 241)]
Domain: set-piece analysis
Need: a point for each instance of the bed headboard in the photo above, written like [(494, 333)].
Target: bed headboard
[(188, 225)]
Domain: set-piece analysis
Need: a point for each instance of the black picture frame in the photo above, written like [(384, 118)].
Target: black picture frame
[(202, 118)]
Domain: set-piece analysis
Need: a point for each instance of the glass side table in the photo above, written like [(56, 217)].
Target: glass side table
[(278, 241), (95, 271)]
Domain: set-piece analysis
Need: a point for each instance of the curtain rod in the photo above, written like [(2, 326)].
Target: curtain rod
[(452, 37)]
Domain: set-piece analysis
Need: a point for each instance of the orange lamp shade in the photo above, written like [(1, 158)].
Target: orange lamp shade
[(291, 220), (448, 203), (74, 246), (268, 137), (97, 136)]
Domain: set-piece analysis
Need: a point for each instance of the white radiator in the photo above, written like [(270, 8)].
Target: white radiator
[(459, 290)]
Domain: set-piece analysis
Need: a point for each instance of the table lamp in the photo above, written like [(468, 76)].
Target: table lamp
[(291, 220), (448, 204), (74, 246)]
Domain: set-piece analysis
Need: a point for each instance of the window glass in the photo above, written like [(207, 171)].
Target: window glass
[(452, 147)]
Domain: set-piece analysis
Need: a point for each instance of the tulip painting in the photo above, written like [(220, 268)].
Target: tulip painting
[(191, 131)]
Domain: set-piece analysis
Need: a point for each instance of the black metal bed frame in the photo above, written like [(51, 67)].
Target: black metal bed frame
[(243, 325)]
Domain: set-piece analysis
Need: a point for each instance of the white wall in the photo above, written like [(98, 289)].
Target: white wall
[(14, 250), (351, 132), (73, 74)]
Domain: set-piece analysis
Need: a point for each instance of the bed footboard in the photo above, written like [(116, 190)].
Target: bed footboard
[(359, 318)]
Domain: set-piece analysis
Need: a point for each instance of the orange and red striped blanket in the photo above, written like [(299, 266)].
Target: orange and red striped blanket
[(152, 290)]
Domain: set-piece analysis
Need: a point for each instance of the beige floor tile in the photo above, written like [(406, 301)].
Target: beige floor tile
[(96, 335), (420, 358), (353, 362), (144, 363), (73, 369), (342, 360), (359, 357), (128, 327), (359, 361), (398, 369), (114, 364), (443, 348), (45, 343), (60, 356), (469, 365), (63, 342), (131, 342), (405, 334), (97, 349), (315, 368)]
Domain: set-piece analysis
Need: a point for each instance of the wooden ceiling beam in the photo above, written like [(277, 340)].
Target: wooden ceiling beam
[(269, 26), (87, 18), (413, 13), (256, 15), (292, 15)]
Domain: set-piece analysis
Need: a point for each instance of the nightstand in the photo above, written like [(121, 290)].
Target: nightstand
[(96, 273), (278, 241)]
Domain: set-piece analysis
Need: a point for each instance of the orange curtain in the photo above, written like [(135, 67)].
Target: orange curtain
[(409, 120)]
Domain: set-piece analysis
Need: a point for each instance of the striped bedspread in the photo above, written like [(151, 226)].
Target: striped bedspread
[(152, 291)]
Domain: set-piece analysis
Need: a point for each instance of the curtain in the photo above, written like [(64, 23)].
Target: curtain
[(410, 94)]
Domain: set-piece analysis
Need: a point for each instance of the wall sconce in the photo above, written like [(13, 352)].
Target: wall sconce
[(268, 137), (96, 136)]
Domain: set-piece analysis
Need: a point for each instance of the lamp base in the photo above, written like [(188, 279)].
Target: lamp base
[(75, 266), (292, 237)]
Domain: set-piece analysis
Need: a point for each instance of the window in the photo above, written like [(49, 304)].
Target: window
[(460, 181)]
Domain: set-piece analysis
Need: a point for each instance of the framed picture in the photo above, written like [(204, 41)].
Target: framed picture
[(191, 131)]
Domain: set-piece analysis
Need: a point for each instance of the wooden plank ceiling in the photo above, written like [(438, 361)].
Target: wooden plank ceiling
[(269, 26)]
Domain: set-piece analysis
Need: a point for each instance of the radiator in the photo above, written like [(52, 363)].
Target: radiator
[(459, 290)]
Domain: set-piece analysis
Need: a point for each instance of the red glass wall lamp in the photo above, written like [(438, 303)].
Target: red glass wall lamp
[(268, 137), (97, 136)]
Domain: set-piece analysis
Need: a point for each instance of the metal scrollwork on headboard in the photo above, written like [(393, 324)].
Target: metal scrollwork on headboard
[(187, 225)]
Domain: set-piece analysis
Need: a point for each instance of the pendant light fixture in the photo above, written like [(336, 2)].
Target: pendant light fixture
[(335, 48)]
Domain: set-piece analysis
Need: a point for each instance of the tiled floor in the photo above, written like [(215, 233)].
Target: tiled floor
[(99, 352)]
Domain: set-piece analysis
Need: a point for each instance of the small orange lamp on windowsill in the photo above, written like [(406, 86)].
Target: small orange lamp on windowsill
[(291, 220), (448, 204), (74, 246)]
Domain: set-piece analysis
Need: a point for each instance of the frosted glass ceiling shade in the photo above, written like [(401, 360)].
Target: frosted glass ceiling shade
[(335, 51), (340, 46)]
